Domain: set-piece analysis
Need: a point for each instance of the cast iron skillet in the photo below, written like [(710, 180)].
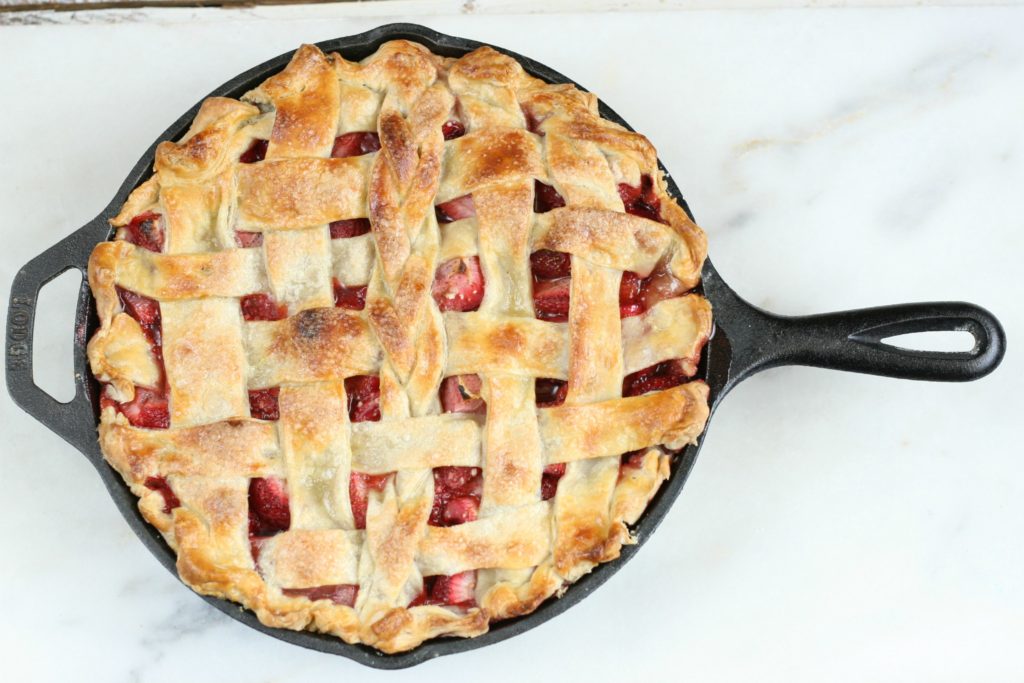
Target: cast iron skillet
[(746, 340)]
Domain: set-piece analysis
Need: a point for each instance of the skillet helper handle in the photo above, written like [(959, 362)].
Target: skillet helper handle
[(66, 419), (853, 341)]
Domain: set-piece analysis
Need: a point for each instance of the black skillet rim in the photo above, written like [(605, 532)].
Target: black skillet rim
[(715, 372)]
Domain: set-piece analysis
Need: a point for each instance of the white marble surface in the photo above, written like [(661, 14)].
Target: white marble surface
[(837, 527)]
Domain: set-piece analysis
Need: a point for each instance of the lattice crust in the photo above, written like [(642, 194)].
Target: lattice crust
[(195, 477)]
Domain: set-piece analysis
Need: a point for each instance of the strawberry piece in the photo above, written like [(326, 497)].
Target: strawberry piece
[(461, 394), (550, 392), (456, 495), (633, 459), (363, 398), (268, 507), (638, 295), (146, 311), (460, 510), (350, 227), (245, 239), (262, 306), (341, 594), (455, 209), (350, 298), (545, 198), (551, 300), (146, 231), (453, 129), (459, 285), (421, 599), (458, 480), (550, 265), (148, 410), (263, 403), (355, 144), (660, 285), (630, 295), (641, 201), (257, 152), (359, 485), (532, 122), (456, 590), (549, 480), (160, 485), (664, 375)]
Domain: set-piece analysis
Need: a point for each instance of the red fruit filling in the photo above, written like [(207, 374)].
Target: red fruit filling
[(148, 410), (255, 547), (350, 227), (268, 507), (545, 198), (550, 265), (341, 594), (549, 480), (641, 201), (456, 590), (351, 298), (262, 307), (664, 375), (461, 394), (532, 122), (363, 398), (633, 459), (146, 231), (246, 240), (638, 295), (550, 392), (160, 485), (551, 299), (455, 209), (456, 495), (660, 285), (263, 403), (452, 129), (355, 144), (459, 285), (146, 312), (551, 283), (631, 300), (257, 152), (359, 486)]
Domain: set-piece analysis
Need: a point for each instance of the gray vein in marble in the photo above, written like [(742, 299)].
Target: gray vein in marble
[(189, 618), (922, 87), (909, 210)]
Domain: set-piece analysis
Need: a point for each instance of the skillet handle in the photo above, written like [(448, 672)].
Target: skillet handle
[(66, 419), (853, 340)]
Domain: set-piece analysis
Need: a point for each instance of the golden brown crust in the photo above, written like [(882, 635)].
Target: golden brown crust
[(300, 193), (305, 97), (241, 448), (314, 345), (614, 240), (519, 131)]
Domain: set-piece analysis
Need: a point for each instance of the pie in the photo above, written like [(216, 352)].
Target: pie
[(391, 349)]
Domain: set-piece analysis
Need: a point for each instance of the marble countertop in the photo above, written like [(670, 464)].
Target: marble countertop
[(836, 527)]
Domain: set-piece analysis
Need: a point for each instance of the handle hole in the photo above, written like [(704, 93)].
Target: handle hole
[(943, 341), (53, 365)]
